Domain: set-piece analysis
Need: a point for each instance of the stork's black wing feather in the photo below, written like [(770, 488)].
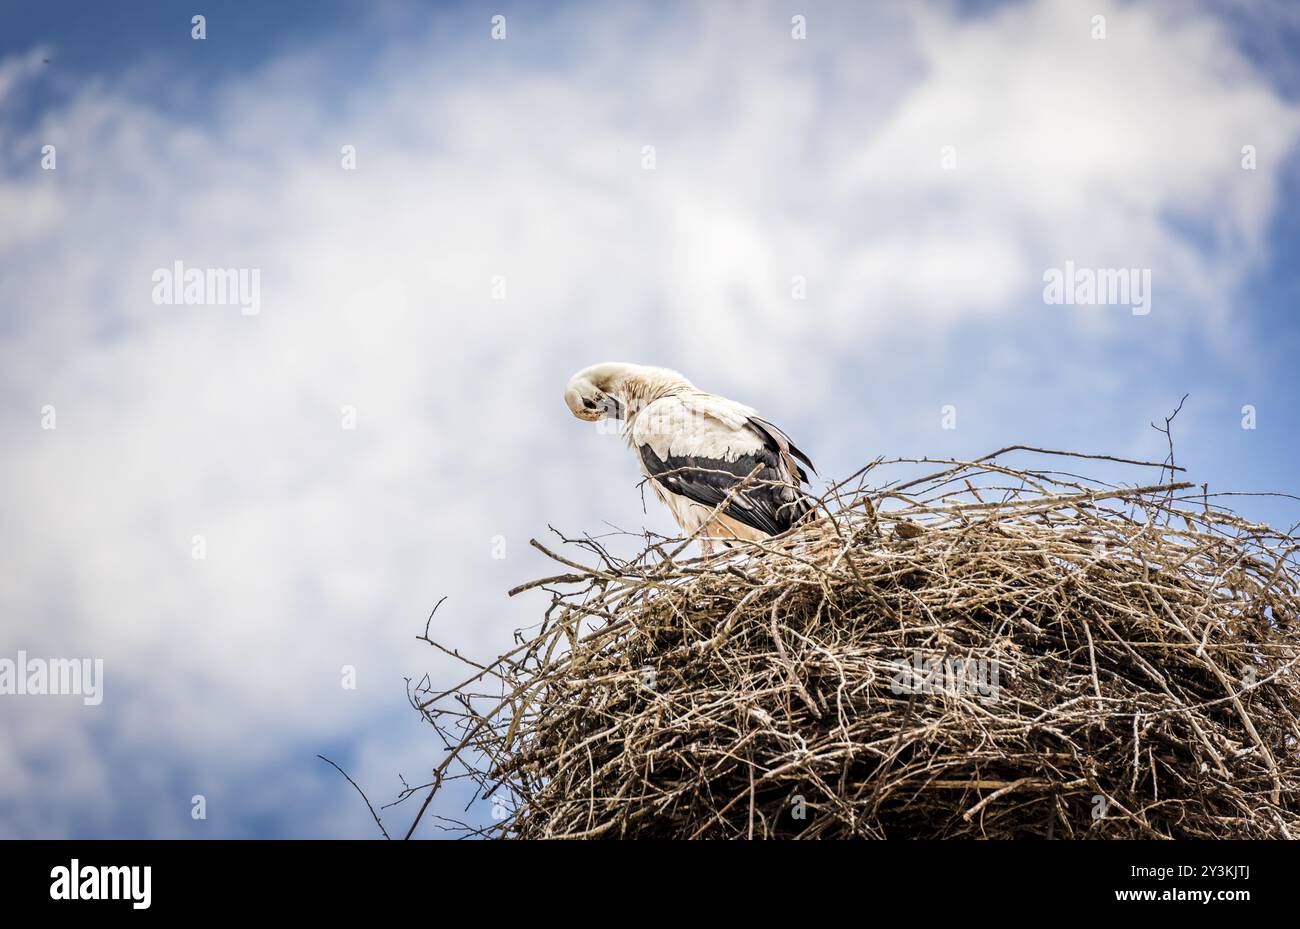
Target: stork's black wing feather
[(775, 438), (771, 503)]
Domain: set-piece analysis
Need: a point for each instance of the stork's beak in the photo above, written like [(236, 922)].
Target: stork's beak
[(612, 407)]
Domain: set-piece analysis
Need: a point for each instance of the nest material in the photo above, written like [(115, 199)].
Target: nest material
[(980, 652)]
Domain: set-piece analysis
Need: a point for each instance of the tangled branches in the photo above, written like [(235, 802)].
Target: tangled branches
[(981, 651)]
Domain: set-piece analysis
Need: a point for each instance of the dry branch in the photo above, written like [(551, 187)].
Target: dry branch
[(1138, 673)]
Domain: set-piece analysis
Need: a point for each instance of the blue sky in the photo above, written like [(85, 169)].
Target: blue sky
[(523, 160)]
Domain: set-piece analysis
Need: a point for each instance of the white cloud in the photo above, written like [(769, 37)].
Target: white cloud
[(1101, 151)]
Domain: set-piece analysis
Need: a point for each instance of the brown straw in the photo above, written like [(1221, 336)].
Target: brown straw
[(839, 681)]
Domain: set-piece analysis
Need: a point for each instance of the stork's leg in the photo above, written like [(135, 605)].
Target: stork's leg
[(706, 546)]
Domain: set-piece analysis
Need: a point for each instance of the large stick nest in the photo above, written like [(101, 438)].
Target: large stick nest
[(978, 652)]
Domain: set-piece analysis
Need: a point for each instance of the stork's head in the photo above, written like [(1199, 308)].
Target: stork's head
[(616, 390), (592, 398)]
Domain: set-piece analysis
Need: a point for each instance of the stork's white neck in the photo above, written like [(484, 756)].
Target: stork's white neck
[(637, 386)]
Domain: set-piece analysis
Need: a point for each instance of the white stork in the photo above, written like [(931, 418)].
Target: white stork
[(695, 448)]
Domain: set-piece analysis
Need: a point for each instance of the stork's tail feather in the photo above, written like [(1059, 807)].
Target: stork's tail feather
[(799, 510)]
